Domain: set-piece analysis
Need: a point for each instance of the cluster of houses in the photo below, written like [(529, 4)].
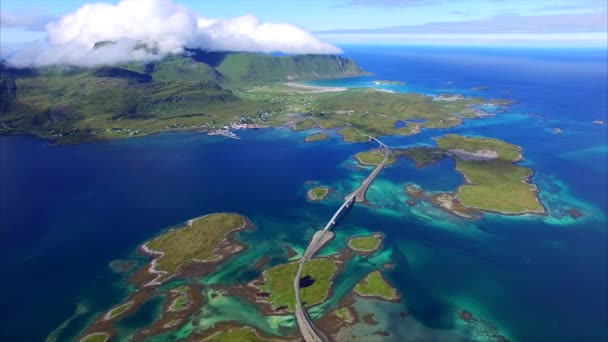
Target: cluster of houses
[(123, 130)]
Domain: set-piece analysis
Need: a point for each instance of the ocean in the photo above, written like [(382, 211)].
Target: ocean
[(67, 212)]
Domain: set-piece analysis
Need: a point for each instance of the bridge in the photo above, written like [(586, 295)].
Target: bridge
[(359, 194), (309, 332)]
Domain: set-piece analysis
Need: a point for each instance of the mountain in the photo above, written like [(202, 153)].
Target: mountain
[(247, 68), (195, 83)]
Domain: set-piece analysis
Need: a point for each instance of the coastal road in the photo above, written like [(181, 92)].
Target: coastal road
[(320, 238)]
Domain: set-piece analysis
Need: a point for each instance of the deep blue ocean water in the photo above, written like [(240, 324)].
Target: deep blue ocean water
[(68, 211)]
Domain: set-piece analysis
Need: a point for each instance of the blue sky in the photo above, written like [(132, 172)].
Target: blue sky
[(412, 21)]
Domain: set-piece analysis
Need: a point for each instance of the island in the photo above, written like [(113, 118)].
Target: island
[(317, 277), (118, 311), (493, 182), (374, 158), (95, 337), (318, 193), (365, 244), (204, 243), (202, 240), (374, 285), (182, 299), (316, 137)]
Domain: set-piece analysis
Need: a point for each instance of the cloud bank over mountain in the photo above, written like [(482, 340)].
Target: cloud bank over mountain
[(146, 30)]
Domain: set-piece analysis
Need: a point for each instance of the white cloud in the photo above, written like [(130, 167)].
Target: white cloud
[(162, 24), (246, 33)]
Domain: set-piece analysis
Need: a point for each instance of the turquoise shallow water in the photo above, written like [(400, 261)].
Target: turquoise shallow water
[(68, 211)]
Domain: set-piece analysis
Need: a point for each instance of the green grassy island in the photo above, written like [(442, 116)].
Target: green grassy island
[(117, 311), (374, 285), (194, 242), (95, 337), (241, 334), (316, 137), (318, 194), (182, 301), (365, 244), (374, 157), (493, 182), (278, 282)]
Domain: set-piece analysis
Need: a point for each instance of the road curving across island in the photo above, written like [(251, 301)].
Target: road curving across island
[(307, 329)]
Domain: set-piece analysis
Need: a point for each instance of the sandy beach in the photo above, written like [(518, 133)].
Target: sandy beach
[(303, 88)]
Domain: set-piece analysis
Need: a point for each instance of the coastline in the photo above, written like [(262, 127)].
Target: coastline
[(395, 298), (158, 274), (309, 194), (478, 243), (305, 88), (252, 292), (526, 180), (481, 155), (378, 236)]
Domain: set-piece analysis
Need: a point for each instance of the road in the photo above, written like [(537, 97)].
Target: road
[(321, 237), (359, 194)]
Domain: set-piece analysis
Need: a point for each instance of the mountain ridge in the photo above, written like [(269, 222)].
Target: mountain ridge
[(194, 84)]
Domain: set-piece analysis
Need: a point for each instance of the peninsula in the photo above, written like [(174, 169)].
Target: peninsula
[(213, 92), (316, 137)]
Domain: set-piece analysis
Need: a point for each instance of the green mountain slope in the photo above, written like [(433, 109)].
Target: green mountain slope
[(194, 84), (247, 69)]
